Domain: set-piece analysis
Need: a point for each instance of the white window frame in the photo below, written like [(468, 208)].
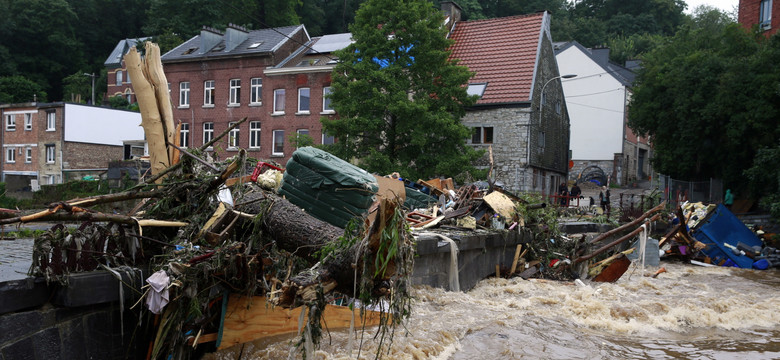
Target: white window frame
[(208, 93), (51, 121), (279, 106), (254, 134), (276, 151), (10, 122), (327, 137), (51, 154), (119, 77), (235, 92), (304, 100), (184, 94), (765, 15), (234, 137), (184, 135), (10, 155), (28, 121), (256, 91), (326, 108), (28, 155), (208, 132)]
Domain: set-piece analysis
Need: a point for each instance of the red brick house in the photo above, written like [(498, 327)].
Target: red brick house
[(513, 62), (218, 78), (117, 80), (45, 143), (764, 13)]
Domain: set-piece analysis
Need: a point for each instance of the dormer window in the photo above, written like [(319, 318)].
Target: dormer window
[(476, 89)]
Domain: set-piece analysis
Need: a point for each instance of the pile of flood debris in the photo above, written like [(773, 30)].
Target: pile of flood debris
[(214, 235)]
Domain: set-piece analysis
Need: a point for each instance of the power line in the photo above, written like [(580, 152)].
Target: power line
[(594, 107), (595, 93)]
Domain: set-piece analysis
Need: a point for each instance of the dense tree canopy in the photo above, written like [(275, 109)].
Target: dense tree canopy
[(399, 98), (709, 100)]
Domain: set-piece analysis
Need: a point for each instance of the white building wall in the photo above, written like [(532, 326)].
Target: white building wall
[(96, 125), (596, 102)]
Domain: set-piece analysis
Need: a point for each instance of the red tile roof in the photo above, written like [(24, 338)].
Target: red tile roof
[(502, 53)]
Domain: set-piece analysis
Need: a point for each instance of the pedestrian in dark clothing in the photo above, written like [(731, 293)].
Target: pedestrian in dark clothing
[(604, 198), (563, 192), (575, 192)]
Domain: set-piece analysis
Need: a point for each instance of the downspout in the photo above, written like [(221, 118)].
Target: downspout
[(62, 145)]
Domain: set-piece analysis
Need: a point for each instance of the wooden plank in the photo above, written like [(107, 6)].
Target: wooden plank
[(248, 320), (514, 262)]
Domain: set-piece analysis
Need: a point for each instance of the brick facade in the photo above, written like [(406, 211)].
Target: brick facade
[(750, 13), (220, 71)]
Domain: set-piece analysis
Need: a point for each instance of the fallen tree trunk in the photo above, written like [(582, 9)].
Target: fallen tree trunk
[(304, 235)]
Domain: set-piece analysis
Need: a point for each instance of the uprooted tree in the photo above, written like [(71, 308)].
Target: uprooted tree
[(181, 222)]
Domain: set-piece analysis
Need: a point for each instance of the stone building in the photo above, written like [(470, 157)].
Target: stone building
[(514, 65), (117, 79)]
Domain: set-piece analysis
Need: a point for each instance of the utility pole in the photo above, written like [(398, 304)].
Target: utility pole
[(93, 86)]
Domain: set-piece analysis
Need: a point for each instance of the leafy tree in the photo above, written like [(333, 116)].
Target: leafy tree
[(43, 45), (708, 100), (764, 178), (18, 89), (118, 102), (399, 98), (77, 85)]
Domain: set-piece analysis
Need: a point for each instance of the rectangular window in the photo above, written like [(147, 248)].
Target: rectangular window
[(235, 92), (233, 137), (482, 135), (208, 132), (326, 100), (184, 135), (256, 95), (279, 101), (254, 135), (208, 93), (50, 154), (301, 132), (303, 100), (51, 121), (278, 143), (10, 122), (184, 94), (28, 121), (541, 139), (10, 155), (327, 139), (765, 15), (118, 77), (28, 155)]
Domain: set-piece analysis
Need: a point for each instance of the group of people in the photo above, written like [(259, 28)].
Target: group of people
[(565, 194)]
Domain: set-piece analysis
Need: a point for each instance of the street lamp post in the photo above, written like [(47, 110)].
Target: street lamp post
[(541, 101), (93, 86)]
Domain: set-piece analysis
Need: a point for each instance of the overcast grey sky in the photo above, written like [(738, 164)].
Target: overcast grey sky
[(725, 5)]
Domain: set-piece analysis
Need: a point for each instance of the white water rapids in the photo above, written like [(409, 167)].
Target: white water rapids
[(686, 312)]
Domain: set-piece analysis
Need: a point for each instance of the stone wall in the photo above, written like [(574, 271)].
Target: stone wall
[(510, 143)]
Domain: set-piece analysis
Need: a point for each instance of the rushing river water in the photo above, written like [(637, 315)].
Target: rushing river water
[(687, 312)]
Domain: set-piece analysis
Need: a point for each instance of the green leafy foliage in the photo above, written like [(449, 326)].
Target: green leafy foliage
[(18, 89), (399, 97), (764, 178), (707, 98)]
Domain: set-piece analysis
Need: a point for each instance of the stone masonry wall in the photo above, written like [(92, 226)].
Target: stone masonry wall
[(510, 143)]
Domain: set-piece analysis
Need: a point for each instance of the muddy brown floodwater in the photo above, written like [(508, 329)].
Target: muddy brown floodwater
[(688, 312)]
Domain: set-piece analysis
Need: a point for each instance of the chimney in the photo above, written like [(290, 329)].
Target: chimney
[(234, 36), (209, 38), (601, 54), (452, 12)]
